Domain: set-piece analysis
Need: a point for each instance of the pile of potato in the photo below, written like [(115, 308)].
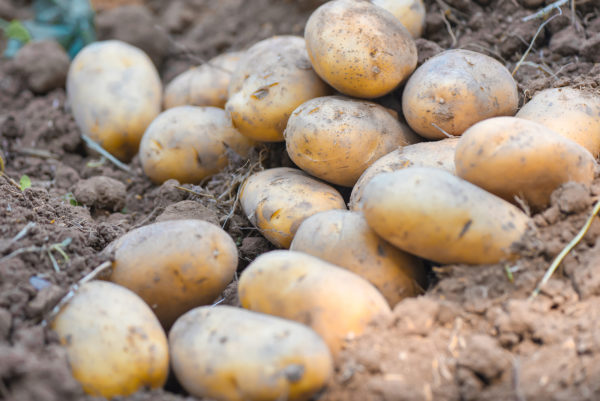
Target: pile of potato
[(442, 180)]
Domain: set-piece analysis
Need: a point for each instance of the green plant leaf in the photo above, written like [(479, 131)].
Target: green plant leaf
[(24, 182), (16, 30)]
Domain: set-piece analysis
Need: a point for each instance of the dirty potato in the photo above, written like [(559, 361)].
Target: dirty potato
[(411, 13)]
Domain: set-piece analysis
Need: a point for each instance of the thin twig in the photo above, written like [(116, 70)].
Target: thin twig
[(449, 29), (23, 232), (95, 146), (442, 130), (42, 154), (543, 13)]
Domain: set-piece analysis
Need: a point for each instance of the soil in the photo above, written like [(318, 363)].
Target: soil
[(473, 335)]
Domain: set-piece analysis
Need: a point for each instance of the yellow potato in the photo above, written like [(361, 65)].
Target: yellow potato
[(336, 138), (175, 265), (343, 238), (114, 343), (231, 354), (358, 48), (573, 113), (115, 92), (190, 143), (411, 13), (277, 200), (438, 154), (271, 80), (205, 85), (334, 302), (433, 214), (533, 160), (456, 89)]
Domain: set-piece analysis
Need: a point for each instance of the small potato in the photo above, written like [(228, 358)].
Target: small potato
[(115, 92), (205, 85), (360, 49), (271, 80), (433, 214), (232, 354), (411, 13), (277, 200), (456, 89), (190, 143), (334, 302), (175, 265), (573, 113), (438, 154), (114, 343), (336, 138), (533, 160), (343, 238)]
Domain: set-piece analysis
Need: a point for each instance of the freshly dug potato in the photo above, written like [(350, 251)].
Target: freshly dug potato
[(277, 200), (343, 238), (232, 354), (205, 85), (115, 92), (190, 143), (336, 138), (336, 303), (456, 89), (573, 113), (114, 343), (438, 154), (411, 13), (533, 160), (433, 214), (175, 265), (271, 80)]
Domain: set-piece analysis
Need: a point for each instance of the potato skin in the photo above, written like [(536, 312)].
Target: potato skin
[(411, 13), (232, 354), (456, 89), (190, 143), (360, 49), (334, 302), (175, 265), (277, 200), (344, 238), (115, 92), (336, 138), (533, 160), (114, 343), (433, 214), (570, 112)]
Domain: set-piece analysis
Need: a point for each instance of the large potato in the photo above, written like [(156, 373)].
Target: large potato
[(343, 238), (115, 92), (533, 160), (336, 138), (114, 343), (456, 89), (575, 114), (411, 13), (175, 265), (360, 49), (271, 80), (433, 214), (190, 143), (232, 354), (336, 303), (277, 200)]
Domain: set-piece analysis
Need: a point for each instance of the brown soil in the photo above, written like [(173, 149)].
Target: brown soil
[(472, 336)]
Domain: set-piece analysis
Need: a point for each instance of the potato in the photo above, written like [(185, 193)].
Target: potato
[(573, 113), (456, 89), (114, 343), (190, 143), (336, 303), (205, 85), (439, 154), (533, 160), (343, 238), (411, 13), (271, 80), (175, 265), (358, 48), (231, 354), (115, 92), (433, 214), (277, 200), (336, 138)]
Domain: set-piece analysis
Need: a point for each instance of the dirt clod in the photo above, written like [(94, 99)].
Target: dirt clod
[(101, 192), (43, 65)]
